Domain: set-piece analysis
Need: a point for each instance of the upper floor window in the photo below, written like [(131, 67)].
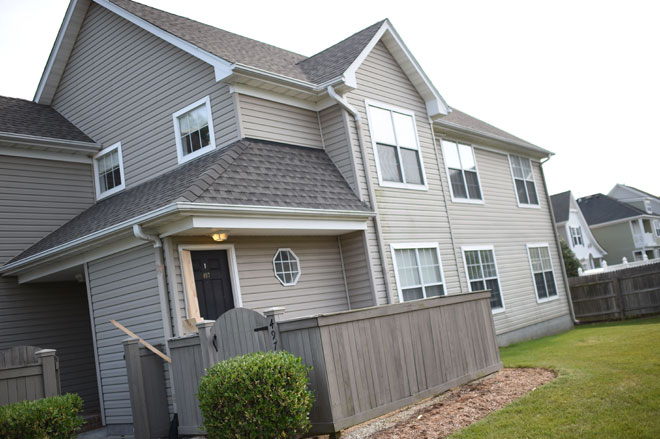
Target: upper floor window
[(398, 157), (109, 171), (544, 276), (462, 172), (193, 127), (418, 271), (656, 224), (523, 178), (481, 272), (576, 236), (647, 206)]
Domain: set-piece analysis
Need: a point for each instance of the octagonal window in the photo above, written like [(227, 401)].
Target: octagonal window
[(286, 266)]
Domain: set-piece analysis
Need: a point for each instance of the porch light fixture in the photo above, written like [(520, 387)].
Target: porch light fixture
[(220, 237)]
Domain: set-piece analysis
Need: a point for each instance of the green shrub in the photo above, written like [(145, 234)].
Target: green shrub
[(256, 396), (571, 262), (57, 417)]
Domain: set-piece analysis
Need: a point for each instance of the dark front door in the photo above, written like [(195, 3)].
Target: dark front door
[(212, 281)]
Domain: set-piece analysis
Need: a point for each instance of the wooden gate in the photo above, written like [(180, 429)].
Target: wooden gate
[(28, 373)]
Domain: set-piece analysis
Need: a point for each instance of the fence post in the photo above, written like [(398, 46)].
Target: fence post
[(274, 315), (137, 391), (49, 369), (618, 298), (204, 331)]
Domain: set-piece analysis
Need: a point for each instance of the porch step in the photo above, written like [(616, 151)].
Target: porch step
[(92, 422)]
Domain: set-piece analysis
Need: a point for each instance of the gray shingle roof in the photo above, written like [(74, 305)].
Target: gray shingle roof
[(460, 119), (561, 205), (247, 172), (599, 208), (18, 116), (238, 49)]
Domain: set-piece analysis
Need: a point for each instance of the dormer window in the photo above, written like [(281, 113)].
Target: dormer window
[(647, 206), (193, 127), (396, 148), (109, 171)]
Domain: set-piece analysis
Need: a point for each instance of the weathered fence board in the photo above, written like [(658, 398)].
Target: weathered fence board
[(630, 292), (28, 373)]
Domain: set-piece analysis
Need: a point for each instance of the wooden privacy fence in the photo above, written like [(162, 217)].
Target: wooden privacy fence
[(620, 294), (365, 362), (28, 373)]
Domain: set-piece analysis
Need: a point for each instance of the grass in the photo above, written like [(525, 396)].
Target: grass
[(608, 386)]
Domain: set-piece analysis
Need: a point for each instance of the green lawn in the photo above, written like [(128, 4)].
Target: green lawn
[(608, 386)]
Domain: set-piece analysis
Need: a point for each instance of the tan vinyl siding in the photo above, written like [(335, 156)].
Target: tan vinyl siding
[(36, 197), (334, 128), (508, 228), (320, 289), (406, 215), (353, 249), (269, 120), (124, 84), (124, 288)]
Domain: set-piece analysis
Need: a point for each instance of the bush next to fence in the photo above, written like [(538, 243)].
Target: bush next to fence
[(258, 395), (571, 262), (57, 417)]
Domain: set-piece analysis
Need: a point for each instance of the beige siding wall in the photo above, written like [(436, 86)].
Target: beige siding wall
[(36, 197), (124, 84), (508, 228), (269, 120), (334, 127), (320, 289), (406, 215), (358, 279)]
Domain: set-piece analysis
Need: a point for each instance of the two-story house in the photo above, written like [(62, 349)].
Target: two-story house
[(637, 198), (573, 228), (623, 230), (217, 171)]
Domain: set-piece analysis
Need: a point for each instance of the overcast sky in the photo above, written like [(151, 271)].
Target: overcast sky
[(579, 78)]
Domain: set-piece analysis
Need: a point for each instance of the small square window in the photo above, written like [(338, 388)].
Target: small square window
[(286, 267), (193, 127), (109, 171)]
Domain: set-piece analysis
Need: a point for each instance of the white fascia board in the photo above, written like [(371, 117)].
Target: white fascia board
[(279, 224), (222, 67), (44, 155), (435, 103), (617, 221), (261, 93), (182, 208)]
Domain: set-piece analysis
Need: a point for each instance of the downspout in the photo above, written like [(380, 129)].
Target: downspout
[(561, 257), (162, 292), (370, 189)]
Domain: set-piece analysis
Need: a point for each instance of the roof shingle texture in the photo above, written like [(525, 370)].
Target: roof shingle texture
[(18, 116), (234, 48), (599, 208), (246, 173), (561, 206)]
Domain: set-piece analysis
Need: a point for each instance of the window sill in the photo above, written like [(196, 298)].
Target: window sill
[(198, 153), (547, 299), (467, 201), (112, 191), (395, 185), (529, 206), (497, 310)]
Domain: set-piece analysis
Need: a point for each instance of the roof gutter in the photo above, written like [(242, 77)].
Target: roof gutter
[(179, 207), (61, 145), (372, 195)]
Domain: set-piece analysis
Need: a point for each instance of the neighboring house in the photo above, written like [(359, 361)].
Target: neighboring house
[(622, 230), (574, 229), (636, 198), (226, 172)]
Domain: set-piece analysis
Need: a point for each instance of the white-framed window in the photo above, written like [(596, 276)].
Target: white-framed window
[(417, 270), (576, 235), (523, 181), (543, 272), (481, 271), (647, 206), (656, 226), (109, 171), (396, 147), (638, 255), (286, 266), (193, 129), (461, 167)]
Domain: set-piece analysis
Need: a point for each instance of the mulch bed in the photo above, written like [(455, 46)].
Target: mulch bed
[(463, 405)]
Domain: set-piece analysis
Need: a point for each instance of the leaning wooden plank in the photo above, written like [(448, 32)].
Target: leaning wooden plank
[(143, 342)]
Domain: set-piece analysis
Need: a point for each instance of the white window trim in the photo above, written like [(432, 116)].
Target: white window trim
[(579, 230), (233, 271), (413, 246), (177, 131), (515, 191), (656, 226), (294, 281), (476, 166), (419, 187), (467, 277), (552, 266), (100, 195)]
